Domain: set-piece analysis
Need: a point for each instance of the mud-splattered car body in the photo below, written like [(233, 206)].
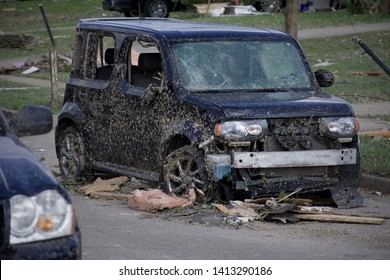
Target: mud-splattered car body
[(211, 106), (37, 216)]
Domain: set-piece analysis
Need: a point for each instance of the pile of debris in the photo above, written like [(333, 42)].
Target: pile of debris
[(19, 41), (34, 64), (285, 208)]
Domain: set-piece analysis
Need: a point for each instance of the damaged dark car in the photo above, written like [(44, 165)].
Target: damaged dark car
[(228, 110), (144, 8), (36, 213)]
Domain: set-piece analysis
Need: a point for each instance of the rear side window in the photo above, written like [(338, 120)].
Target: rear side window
[(78, 56), (99, 64)]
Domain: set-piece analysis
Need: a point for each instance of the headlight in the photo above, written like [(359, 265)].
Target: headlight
[(339, 126), (45, 216), (241, 130)]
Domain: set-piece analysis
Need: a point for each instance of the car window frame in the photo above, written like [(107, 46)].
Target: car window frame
[(125, 57)]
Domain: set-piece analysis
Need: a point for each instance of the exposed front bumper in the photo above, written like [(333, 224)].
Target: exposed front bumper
[(220, 165), (294, 158)]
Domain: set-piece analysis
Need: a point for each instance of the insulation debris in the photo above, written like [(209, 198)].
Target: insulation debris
[(155, 200)]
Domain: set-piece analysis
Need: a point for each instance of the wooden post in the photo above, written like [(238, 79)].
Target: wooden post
[(54, 103)]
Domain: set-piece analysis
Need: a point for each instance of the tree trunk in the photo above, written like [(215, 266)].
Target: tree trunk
[(291, 13), (384, 6)]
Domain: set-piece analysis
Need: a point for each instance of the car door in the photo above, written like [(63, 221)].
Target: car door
[(93, 91), (136, 131)]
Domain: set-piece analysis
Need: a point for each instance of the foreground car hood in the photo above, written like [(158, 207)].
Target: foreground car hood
[(21, 172), (276, 104)]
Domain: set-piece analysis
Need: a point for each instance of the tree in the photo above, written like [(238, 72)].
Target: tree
[(290, 17)]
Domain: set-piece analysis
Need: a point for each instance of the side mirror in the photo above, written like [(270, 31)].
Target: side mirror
[(32, 120), (325, 78)]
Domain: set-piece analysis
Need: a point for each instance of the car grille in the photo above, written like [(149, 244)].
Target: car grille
[(294, 134), (290, 134)]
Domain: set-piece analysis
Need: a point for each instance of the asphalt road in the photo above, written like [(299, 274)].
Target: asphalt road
[(111, 230)]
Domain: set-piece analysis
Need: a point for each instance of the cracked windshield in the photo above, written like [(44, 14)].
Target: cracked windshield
[(240, 65)]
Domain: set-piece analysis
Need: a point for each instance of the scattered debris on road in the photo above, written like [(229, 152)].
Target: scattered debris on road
[(285, 208)]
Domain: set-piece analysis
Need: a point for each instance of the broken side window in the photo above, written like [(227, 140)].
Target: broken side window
[(78, 57), (101, 54), (144, 64)]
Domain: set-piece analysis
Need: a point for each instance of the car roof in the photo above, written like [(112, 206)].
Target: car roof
[(172, 28)]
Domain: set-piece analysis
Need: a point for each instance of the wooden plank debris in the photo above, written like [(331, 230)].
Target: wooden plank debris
[(339, 218), (110, 196), (100, 185), (381, 133)]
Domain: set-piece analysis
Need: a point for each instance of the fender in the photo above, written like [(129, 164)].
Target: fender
[(187, 129), (70, 114)]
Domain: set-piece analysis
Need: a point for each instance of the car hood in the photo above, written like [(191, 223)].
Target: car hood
[(275, 104), (21, 172)]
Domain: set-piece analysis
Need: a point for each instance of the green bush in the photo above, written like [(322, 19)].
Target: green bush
[(354, 6)]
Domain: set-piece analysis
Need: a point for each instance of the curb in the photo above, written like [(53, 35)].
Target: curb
[(375, 183)]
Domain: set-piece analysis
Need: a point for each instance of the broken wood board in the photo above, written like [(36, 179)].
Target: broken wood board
[(222, 208), (384, 133), (100, 185), (239, 210), (110, 196), (339, 218)]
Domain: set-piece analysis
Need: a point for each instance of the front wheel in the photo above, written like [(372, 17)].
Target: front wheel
[(156, 8), (71, 154), (184, 170)]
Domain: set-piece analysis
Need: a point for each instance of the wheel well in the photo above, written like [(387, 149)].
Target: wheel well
[(175, 143), (61, 126)]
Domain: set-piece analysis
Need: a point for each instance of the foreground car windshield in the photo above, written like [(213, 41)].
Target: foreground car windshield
[(240, 65)]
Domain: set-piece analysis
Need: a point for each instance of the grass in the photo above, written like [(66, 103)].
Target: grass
[(305, 20), (20, 94), (375, 160), (351, 67), (385, 118), (63, 15)]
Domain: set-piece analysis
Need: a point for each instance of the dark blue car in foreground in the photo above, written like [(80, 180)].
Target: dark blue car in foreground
[(36, 214)]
